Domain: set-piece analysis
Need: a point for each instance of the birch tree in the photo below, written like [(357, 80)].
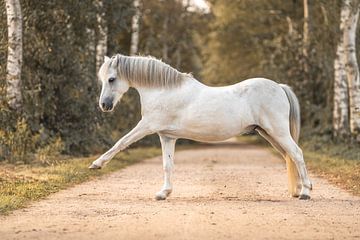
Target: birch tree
[(351, 8), (341, 97), (135, 28), (14, 58), (306, 41), (306, 46), (346, 118), (101, 46)]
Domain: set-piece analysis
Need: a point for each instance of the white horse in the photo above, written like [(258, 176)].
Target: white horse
[(175, 105)]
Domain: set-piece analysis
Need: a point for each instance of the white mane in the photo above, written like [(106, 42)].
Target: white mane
[(147, 71)]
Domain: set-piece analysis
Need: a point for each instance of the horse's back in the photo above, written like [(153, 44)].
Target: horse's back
[(259, 85), (261, 91)]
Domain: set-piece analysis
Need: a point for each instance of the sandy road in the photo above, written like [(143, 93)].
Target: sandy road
[(220, 192)]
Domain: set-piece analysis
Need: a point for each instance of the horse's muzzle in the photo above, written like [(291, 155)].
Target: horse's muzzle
[(107, 104)]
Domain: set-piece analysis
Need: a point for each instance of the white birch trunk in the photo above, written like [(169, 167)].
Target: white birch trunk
[(306, 46), (306, 42), (341, 97), (101, 45), (135, 28), (14, 59), (351, 65)]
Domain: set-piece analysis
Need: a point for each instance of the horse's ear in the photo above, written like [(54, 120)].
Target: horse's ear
[(106, 58)]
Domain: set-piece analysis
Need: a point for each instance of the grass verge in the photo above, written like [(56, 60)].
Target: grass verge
[(22, 184), (339, 163)]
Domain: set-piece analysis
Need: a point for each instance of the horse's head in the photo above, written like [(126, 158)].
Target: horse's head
[(112, 86)]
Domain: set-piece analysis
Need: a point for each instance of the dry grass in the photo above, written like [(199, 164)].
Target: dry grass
[(22, 184), (337, 162)]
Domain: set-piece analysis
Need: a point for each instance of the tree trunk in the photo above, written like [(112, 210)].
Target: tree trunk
[(165, 48), (306, 42), (305, 49), (14, 59), (290, 25), (101, 46), (341, 96), (135, 28), (352, 70)]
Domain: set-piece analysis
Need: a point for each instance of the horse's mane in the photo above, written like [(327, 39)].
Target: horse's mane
[(147, 71)]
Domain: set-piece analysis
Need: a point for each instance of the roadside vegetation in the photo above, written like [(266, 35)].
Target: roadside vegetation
[(339, 163), (21, 184)]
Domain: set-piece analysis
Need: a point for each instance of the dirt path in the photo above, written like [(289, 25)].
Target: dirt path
[(221, 192)]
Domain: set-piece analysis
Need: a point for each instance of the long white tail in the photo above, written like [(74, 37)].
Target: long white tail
[(294, 121)]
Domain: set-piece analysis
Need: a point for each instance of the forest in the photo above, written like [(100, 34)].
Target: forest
[(50, 53)]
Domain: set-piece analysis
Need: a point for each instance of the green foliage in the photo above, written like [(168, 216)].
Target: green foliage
[(286, 62), (238, 30), (169, 31), (58, 72), (17, 145), (50, 154), (59, 83)]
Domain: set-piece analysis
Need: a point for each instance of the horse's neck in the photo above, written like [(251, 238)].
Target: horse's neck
[(154, 97)]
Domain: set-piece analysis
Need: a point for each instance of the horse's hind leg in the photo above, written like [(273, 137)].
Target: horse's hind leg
[(271, 140), (294, 184), (296, 155)]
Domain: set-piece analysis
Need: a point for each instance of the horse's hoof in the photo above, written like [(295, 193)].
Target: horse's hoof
[(163, 194), (160, 197), (94, 166), (304, 197)]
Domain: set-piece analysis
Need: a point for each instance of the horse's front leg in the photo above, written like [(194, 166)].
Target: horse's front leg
[(137, 133), (168, 149)]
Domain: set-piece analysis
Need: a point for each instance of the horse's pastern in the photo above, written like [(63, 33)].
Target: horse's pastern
[(94, 166)]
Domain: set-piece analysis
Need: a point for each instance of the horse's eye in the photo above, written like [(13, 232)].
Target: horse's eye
[(111, 80)]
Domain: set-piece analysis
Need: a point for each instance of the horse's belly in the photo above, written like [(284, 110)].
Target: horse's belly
[(208, 129), (199, 136)]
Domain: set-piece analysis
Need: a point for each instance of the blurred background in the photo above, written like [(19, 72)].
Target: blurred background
[(50, 52)]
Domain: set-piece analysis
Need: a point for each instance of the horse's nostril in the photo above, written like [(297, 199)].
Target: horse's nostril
[(107, 104)]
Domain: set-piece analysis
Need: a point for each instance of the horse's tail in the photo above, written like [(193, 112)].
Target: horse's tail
[(294, 122)]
